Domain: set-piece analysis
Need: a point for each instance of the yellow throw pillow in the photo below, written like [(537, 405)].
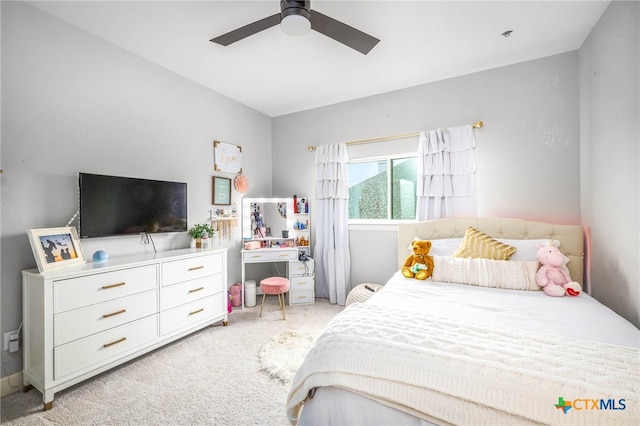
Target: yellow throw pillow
[(477, 244)]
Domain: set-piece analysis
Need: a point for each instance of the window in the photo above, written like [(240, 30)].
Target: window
[(383, 188)]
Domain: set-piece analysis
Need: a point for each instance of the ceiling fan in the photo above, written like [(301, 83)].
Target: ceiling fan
[(296, 18)]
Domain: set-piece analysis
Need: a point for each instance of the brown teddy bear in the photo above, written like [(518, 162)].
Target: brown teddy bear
[(419, 264)]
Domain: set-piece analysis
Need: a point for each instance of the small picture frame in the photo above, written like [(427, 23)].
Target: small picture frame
[(221, 191), (227, 157), (55, 247)]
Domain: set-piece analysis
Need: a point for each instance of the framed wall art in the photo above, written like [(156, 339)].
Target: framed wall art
[(221, 191), (55, 247), (227, 157)]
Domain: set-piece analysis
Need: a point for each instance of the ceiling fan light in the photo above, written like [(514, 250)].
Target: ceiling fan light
[(295, 25)]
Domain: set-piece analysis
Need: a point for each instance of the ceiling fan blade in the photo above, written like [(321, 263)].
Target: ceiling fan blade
[(247, 30), (343, 33)]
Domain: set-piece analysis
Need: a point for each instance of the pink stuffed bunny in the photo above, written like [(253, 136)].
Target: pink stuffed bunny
[(553, 275)]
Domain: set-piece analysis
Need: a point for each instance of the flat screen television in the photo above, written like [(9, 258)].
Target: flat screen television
[(112, 205)]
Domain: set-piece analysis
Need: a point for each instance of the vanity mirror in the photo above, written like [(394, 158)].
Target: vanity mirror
[(273, 223), (265, 220)]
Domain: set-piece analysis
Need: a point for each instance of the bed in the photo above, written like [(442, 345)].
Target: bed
[(435, 352)]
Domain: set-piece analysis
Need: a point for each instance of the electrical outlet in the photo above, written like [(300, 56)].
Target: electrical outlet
[(10, 336)]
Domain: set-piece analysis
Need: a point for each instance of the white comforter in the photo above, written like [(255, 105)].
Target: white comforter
[(468, 355)]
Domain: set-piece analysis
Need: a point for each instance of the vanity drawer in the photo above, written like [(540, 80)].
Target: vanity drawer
[(302, 297), (273, 255), (73, 325), (188, 291), (188, 269), (190, 314), (97, 349), (302, 283), (299, 268), (97, 288)]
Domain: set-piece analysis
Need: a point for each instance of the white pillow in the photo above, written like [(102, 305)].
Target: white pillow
[(442, 247), (527, 249), (509, 274)]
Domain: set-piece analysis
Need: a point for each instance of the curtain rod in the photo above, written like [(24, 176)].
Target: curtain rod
[(476, 125)]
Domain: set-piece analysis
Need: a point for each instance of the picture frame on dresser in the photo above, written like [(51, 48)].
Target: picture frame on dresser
[(55, 247)]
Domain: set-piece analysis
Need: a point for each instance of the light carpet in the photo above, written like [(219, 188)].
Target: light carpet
[(211, 377)]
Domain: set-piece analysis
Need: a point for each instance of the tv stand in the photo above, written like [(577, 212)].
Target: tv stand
[(82, 320)]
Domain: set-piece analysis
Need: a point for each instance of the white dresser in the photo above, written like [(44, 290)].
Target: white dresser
[(85, 319)]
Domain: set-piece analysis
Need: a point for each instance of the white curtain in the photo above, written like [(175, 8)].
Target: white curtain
[(446, 174), (331, 250)]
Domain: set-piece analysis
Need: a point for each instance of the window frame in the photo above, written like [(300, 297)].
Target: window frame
[(388, 159)]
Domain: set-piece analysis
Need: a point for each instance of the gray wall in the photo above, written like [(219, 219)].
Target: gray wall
[(528, 153), (610, 134), (72, 102)]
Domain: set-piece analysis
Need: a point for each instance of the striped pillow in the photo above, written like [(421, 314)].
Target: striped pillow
[(477, 244)]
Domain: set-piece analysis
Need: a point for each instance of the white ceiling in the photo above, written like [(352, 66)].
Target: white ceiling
[(421, 42)]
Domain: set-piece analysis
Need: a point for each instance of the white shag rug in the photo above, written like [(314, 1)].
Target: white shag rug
[(281, 356)]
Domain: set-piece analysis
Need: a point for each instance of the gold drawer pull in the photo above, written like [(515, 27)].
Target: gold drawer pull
[(106, 345), (196, 289), (121, 311), (256, 256), (196, 312), (284, 255), (302, 297), (302, 282), (195, 268), (106, 287)]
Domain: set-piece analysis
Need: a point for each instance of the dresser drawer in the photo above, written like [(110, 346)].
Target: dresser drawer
[(188, 291), (273, 255), (302, 283), (91, 289), (301, 297), (299, 268), (191, 314), (100, 348), (188, 269), (73, 325)]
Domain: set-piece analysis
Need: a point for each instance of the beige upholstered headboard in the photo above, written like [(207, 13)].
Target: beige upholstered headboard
[(570, 236)]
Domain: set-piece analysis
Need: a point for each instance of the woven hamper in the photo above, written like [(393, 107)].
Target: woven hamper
[(361, 294)]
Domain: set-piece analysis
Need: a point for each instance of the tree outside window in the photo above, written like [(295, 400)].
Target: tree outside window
[(383, 189)]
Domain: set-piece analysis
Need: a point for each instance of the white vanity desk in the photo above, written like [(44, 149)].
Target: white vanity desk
[(278, 215), (301, 279)]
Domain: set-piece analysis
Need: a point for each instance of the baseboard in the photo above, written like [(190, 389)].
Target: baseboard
[(11, 384)]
